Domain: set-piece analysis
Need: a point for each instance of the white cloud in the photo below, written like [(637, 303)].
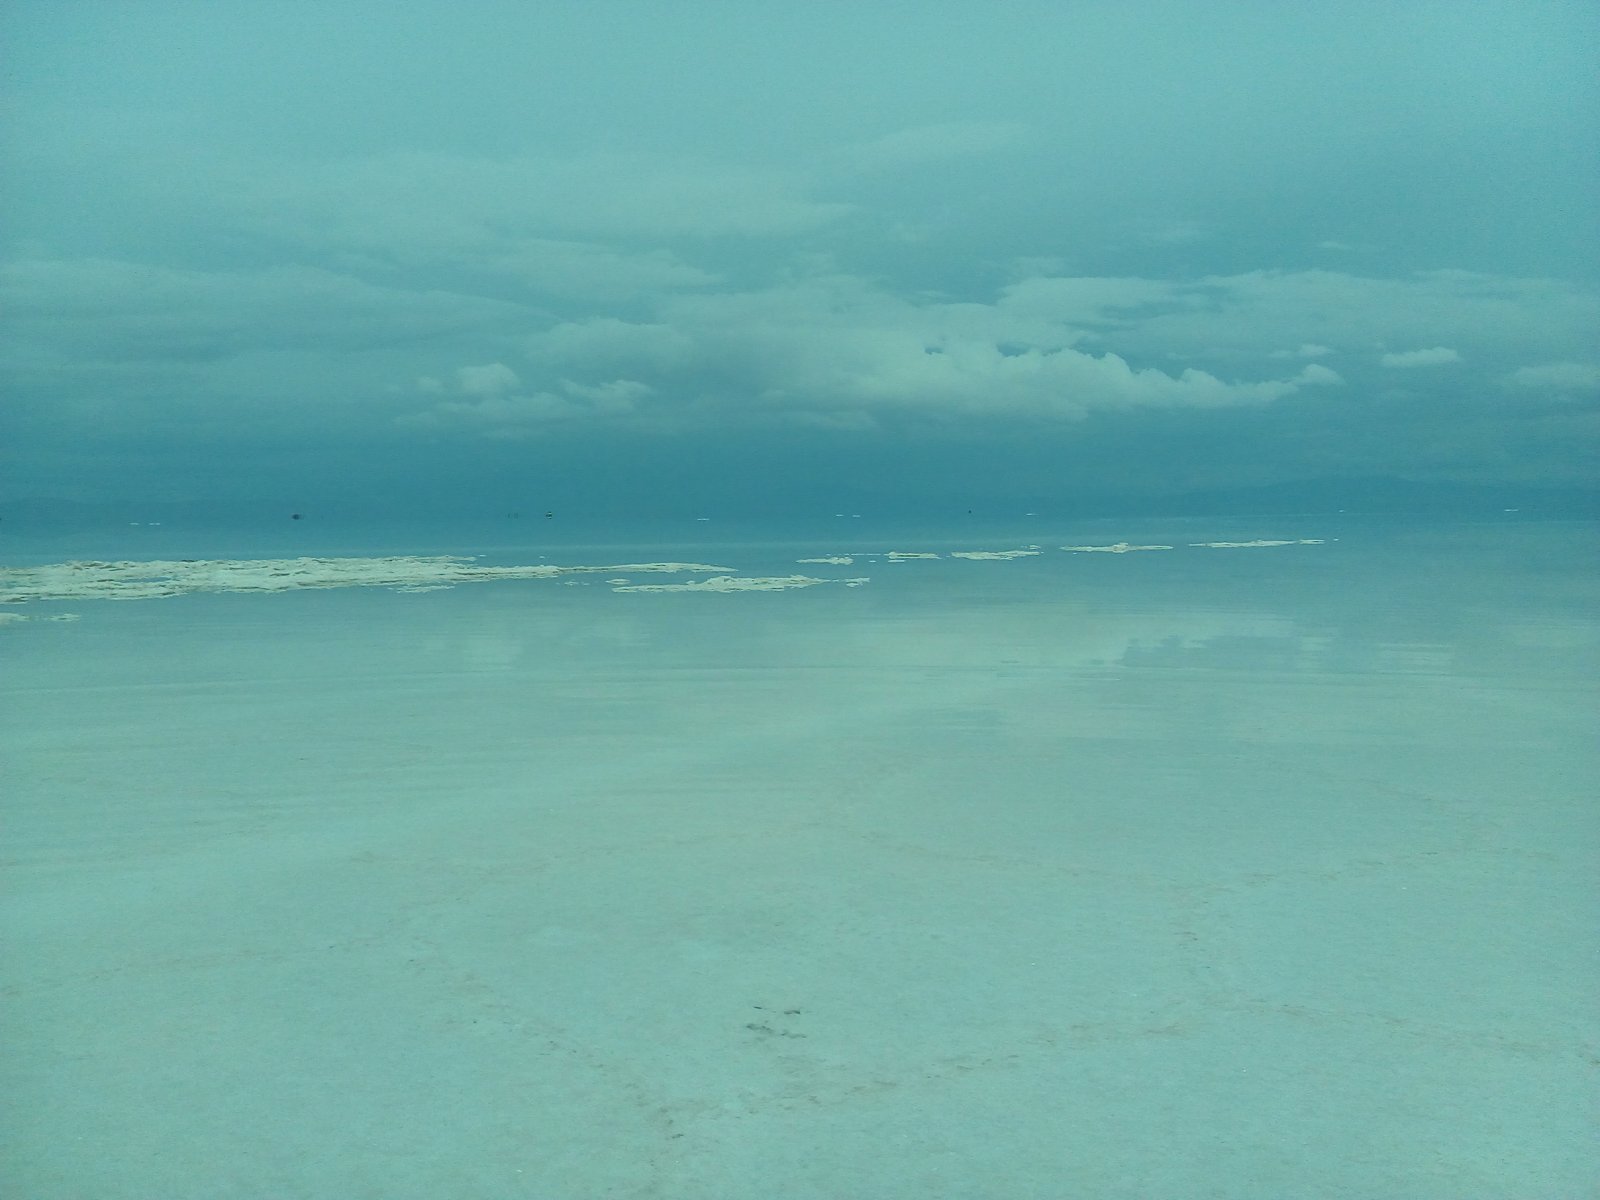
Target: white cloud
[(832, 350), (1318, 375), (489, 380), (493, 405), (1305, 350), (634, 347), (1557, 377), (614, 397), (837, 350), (1432, 357)]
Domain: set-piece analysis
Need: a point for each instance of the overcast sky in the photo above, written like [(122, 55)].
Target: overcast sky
[(749, 253)]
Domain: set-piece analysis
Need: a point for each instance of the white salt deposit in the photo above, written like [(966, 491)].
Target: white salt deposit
[(1113, 548), (144, 580), (734, 583), (1259, 542), (11, 618)]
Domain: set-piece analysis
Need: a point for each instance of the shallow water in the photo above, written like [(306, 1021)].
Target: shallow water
[(1237, 872)]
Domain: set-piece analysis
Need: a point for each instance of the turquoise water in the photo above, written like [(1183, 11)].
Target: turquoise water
[(1236, 872)]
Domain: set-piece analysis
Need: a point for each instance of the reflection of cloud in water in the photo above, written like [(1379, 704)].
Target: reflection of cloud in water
[(1548, 635), (995, 555)]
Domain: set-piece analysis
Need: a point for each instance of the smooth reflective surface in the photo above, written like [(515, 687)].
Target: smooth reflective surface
[(1246, 872)]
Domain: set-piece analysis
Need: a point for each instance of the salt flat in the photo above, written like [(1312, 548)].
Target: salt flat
[(1259, 867)]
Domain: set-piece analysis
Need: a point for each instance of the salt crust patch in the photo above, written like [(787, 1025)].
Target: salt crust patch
[(732, 583), (1259, 542), (1114, 548), (415, 573), (143, 580)]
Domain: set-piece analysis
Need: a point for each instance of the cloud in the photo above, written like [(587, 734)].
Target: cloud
[(635, 347), (1093, 302), (314, 349), (925, 144), (491, 401), (1251, 315), (1433, 357), (840, 351), (585, 270), (95, 309), (489, 380), (1175, 232), (1316, 374), (613, 397), (1556, 377), (442, 202), (104, 350)]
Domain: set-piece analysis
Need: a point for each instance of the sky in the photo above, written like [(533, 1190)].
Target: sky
[(760, 257)]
